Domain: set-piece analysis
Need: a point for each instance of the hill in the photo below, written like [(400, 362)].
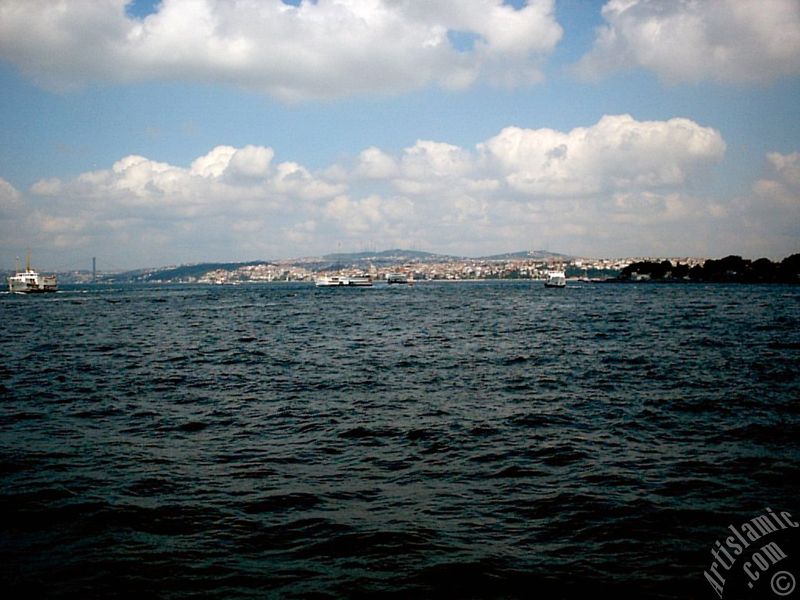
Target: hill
[(358, 260), (529, 255), (177, 274)]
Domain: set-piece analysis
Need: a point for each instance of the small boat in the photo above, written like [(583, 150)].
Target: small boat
[(360, 281), (393, 278), (330, 281), (30, 281), (555, 279), (341, 281)]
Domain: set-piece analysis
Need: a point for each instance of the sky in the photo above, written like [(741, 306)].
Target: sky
[(153, 133)]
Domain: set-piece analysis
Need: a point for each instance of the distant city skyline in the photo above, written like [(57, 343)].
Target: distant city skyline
[(385, 261), (149, 133)]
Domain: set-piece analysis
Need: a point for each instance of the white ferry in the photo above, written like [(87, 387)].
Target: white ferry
[(31, 282), (341, 280), (555, 279)]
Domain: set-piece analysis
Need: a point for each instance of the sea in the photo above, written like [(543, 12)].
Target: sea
[(491, 439)]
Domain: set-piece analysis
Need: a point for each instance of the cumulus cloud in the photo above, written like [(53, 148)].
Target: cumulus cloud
[(374, 163), (364, 215), (615, 187), (736, 41), (10, 200), (213, 180), (321, 49), (787, 170), (430, 167), (779, 194), (616, 153), (764, 222), (227, 194), (47, 187)]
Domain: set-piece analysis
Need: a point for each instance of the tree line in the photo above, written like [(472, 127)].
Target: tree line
[(731, 269)]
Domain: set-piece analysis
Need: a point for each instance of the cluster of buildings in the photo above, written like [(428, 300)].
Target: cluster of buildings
[(427, 270), (523, 268), (258, 274), (429, 267)]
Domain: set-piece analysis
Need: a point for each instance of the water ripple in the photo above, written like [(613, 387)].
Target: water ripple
[(435, 441)]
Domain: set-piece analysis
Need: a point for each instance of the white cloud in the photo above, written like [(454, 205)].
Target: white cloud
[(251, 161), (219, 197), (369, 216), (47, 187), (322, 49), (619, 186), (435, 160), (434, 168), (10, 199), (295, 181), (374, 163), (787, 168), (781, 192), (725, 40), (302, 234), (765, 222), (616, 153), (214, 163)]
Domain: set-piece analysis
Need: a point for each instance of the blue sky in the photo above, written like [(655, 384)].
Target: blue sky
[(190, 130)]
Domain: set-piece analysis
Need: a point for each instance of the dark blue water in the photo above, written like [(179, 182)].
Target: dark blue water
[(444, 440)]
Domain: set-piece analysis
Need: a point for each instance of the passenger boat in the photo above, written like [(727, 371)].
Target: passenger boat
[(343, 280), (30, 281), (555, 279)]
